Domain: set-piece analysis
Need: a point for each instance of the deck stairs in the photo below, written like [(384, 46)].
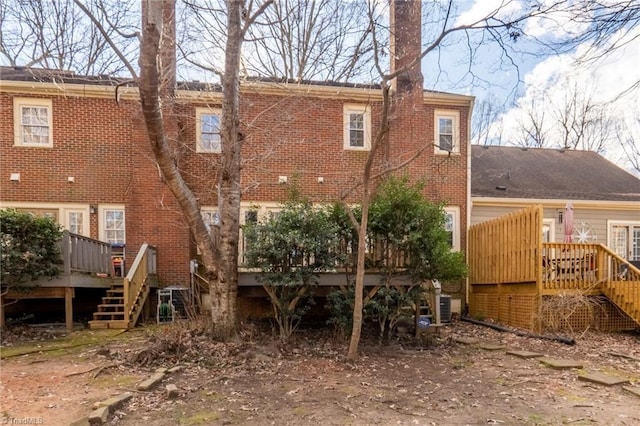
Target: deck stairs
[(111, 312), (624, 292), (125, 299)]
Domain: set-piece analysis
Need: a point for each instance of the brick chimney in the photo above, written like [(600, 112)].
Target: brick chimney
[(406, 43)]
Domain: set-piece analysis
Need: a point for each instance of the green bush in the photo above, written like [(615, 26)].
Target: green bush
[(28, 249), (291, 248)]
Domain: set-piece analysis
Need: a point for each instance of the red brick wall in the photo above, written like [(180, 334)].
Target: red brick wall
[(104, 145)]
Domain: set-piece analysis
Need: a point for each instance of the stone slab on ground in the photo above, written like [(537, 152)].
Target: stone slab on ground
[(83, 421), (561, 364), (623, 355), (114, 402), (525, 354), (467, 340), (150, 382), (602, 379), (99, 416), (491, 347), (633, 390), (172, 391)]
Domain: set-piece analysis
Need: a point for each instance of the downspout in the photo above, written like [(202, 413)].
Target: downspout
[(469, 205)]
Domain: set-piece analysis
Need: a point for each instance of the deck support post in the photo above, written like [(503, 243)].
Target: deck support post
[(2, 323), (68, 308)]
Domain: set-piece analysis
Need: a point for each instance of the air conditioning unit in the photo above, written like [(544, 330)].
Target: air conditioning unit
[(445, 308)]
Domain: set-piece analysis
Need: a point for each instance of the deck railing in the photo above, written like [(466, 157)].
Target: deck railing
[(85, 255), (134, 283), (586, 267)]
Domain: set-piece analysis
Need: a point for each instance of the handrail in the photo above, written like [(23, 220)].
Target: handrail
[(143, 265), (580, 266), (84, 254)]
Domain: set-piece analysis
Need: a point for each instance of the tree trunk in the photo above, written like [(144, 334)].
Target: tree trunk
[(224, 290), (352, 354)]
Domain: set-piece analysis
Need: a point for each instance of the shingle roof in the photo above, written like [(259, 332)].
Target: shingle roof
[(513, 172), (52, 75)]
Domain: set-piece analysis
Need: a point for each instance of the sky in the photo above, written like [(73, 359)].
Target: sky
[(544, 79)]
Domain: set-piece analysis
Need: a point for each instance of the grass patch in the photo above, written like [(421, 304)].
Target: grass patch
[(202, 418), (116, 381), (80, 338)]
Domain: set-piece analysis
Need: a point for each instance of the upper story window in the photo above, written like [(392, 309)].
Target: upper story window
[(447, 132), (208, 130), (32, 122), (357, 127)]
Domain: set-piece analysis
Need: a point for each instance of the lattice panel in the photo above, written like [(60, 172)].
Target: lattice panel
[(519, 310), (577, 314)]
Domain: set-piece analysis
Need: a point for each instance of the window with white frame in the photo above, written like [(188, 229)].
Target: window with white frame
[(357, 127), (75, 222), (112, 225), (208, 130), (33, 122), (211, 217), (548, 230), (447, 132), (452, 226)]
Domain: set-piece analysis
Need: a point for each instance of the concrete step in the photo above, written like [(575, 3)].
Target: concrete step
[(115, 324)]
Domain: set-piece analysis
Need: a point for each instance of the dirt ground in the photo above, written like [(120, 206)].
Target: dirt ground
[(308, 381)]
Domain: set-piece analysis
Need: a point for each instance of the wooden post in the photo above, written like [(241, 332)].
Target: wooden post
[(2, 323), (68, 308)]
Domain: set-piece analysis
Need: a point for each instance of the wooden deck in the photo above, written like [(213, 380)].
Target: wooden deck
[(87, 263), (512, 272)]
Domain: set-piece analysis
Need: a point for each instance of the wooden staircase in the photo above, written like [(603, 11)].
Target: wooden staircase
[(624, 289), (123, 304)]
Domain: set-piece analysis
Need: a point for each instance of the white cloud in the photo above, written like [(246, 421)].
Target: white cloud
[(481, 9), (605, 78)]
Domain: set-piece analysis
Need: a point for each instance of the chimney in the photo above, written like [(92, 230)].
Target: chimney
[(406, 43)]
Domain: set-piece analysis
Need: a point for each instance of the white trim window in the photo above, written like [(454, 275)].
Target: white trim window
[(208, 130), (210, 216), (33, 122), (447, 131), (357, 127), (548, 230), (112, 224), (452, 226)]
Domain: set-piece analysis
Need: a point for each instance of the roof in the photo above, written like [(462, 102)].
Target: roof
[(43, 75), (514, 172)]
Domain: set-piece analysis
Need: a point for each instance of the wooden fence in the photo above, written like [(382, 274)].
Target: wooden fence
[(513, 274)]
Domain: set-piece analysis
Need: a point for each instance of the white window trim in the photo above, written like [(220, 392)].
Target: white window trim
[(86, 219), (360, 109), (612, 223), (455, 115), (63, 212), (199, 113), (18, 103), (454, 211), (101, 219), (552, 228)]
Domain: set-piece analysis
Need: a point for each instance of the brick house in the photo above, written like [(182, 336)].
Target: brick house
[(75, 148)]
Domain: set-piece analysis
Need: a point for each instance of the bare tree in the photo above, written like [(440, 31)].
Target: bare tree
[(57, 35), (573, 121), (157, 87), (486, 129), (628, 137), (304, 40)]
